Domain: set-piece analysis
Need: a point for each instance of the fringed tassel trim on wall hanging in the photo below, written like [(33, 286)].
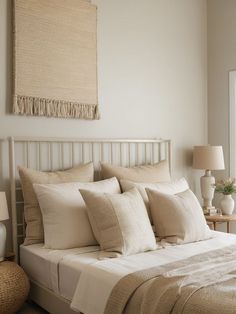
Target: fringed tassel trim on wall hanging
[(36, 106)]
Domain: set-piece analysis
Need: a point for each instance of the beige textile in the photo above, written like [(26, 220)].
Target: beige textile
[(202, 284), (178, 218), (172, 187), (208, 157), (158, 172), (14, 287), (65, 218), (4, 215), (55, 58), (32, 213), (120, 223)]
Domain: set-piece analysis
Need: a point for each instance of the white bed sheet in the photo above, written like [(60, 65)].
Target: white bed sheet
[(98, 279), (57, 270)]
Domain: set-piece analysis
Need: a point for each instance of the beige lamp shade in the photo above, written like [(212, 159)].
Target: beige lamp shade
[(208, 157), (3, 207)]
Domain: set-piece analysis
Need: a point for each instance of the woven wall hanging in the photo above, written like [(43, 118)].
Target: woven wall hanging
[(55, 58)]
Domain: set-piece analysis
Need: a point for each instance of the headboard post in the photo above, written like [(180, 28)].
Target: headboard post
[(12, 172)]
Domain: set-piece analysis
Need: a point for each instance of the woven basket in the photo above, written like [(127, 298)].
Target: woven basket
[(14, 287)]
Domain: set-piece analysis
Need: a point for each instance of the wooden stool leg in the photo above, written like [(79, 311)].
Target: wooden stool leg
[(214, 225), (228, 227)]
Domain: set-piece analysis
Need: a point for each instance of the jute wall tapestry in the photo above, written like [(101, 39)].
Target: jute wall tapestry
[(55, 58)]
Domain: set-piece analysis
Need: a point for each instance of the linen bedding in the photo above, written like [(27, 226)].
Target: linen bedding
[(175, 287), (78, 275), (149, 282)]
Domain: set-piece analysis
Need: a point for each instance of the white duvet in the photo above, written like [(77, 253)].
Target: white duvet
[(98, 279)]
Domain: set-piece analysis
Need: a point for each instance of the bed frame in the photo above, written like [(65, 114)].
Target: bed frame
[(49, 154)]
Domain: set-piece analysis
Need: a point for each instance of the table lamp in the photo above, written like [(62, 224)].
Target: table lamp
[(3, 216), (208, 158)]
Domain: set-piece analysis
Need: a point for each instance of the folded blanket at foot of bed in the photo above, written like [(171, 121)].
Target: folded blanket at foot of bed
[(201, 284)]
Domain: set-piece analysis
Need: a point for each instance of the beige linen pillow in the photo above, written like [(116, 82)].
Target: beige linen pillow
[(158, 172), (65, 217), (32, 213), (172, 187), (178, 218), (120, 223)]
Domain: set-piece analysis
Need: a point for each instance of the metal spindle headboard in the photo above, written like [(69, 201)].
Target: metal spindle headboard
[(48, 154)]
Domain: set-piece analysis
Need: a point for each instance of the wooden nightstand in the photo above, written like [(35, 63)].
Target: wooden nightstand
[(220, 219)]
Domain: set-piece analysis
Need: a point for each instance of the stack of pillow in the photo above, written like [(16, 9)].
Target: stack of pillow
[(66, 209)]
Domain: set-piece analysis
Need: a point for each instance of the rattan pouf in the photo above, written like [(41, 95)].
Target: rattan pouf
[(14, 287)]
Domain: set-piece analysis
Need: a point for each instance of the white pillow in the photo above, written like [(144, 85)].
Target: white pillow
[(120, 222), (178, 218), (65, 218), (172, 187), (32, 213)]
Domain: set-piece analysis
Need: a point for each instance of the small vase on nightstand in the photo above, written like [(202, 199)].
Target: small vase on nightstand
[(227, 204)]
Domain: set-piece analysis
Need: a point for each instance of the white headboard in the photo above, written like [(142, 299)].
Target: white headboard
[(48, 154)]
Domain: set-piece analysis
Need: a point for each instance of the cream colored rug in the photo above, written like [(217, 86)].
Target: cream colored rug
[(55, 58)]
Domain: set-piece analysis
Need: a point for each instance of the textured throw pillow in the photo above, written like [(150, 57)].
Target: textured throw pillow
[(158, 172), (65, 217), (178, 218), (172, 187), (32, 213), (120, 223)]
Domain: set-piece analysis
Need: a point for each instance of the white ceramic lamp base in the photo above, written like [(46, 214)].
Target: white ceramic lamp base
[(3, 235), (207, 190)]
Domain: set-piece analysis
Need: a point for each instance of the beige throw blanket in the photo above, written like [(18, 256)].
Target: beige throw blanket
[(204, 283)]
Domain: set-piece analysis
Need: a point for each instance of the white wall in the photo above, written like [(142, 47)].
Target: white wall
[(221, 59), (152, 76)]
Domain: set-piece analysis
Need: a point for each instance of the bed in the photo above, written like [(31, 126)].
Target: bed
[(77, 280), (59, 153), (59, 272)]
